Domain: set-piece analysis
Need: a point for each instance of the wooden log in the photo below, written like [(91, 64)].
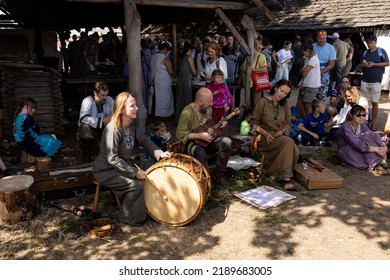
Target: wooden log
[(43, 163), (17, 201)]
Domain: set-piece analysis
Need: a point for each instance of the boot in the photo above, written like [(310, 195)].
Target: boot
[(221, 179)]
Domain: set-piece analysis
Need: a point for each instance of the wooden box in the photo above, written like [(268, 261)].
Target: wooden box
[(62, 178), (313, 179)]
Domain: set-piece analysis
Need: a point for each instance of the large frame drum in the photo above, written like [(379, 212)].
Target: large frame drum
[(176, 190)]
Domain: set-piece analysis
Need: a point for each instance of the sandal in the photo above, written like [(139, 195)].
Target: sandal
[(379, 171)]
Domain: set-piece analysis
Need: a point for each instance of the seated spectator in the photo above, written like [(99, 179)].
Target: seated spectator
[(313, 126), (360, 147), (354, 96), (295, 121), (160, 135), (337, 99), (27, 132), (95, 112), (245, 127)]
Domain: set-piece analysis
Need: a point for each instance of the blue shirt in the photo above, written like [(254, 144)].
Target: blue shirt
[(316, 125), (325, 54)]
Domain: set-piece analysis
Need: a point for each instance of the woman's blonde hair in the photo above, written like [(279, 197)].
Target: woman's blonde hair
[(355, 92), (120, 102)]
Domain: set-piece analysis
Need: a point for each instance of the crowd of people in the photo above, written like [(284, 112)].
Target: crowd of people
[(109, 130)]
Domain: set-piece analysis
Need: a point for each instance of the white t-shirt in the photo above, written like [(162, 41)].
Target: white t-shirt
[(283, 54), (313, 78)]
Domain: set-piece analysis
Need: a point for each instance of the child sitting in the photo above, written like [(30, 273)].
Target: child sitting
[(313, 126), (295, 121), (245, 127), (160, 135)]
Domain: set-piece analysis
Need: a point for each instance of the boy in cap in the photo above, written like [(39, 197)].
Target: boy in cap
[(295, 121), (372, 63)]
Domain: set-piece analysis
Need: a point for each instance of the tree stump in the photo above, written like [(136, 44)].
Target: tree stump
[(43, 163), (17, 201)]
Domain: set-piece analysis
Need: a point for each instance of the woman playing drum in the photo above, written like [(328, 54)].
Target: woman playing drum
[(113, 167)]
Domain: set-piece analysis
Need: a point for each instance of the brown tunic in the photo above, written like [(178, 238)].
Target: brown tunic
[(282, 154)]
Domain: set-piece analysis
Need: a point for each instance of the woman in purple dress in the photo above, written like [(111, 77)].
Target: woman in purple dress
[(360, 147)]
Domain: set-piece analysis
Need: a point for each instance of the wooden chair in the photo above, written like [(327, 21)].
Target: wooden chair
[(96, 199)]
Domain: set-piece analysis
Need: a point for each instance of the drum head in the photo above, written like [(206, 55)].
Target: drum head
[(16, 183), (184, 196)]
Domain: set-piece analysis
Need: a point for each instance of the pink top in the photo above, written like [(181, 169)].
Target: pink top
[(223, 98)]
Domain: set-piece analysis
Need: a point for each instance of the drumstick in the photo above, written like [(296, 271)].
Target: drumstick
[(153, 184)]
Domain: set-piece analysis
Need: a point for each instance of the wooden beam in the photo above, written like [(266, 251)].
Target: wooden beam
[(194, 4), (251, 35), (268, 14), (233, 30), (133, 39)]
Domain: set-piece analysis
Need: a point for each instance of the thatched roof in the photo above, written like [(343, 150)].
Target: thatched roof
[(359, 15)]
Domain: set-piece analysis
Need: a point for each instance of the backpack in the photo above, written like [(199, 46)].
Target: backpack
[(380, 56)]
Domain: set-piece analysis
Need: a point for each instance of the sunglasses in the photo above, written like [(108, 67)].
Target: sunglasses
[(322, 33), (361, 115)]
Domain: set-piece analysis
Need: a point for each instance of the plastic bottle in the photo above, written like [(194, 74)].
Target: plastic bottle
[(299, 140)]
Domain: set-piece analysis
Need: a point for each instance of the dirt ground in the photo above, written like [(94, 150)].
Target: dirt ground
[(335, 224)]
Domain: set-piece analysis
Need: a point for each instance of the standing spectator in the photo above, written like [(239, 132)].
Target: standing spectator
[(348, 64), (146, 45), (282, 58), (161, 69), (267, 51), (373, 63), (341, 49), (215, 61), (311, 80), (258, 64), (222, 98), (186, 70), (295, 73), (327, 57), (91, 53), (202, 56)]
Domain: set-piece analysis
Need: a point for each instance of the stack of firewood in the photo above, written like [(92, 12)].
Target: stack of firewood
[(40, 83)]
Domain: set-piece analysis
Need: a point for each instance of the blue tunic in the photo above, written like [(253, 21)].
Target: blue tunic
[(27, 135)]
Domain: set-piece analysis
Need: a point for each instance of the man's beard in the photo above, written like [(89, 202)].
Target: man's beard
[(203, 110)]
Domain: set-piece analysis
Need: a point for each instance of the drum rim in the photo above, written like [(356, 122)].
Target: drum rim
[(203, 198), (28, 181)]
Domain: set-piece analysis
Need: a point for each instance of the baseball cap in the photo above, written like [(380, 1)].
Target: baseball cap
[(295, 111), (371, 38), (335, 35)]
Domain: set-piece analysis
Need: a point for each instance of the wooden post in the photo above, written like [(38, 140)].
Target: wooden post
[(133, 37), (251, 37)]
